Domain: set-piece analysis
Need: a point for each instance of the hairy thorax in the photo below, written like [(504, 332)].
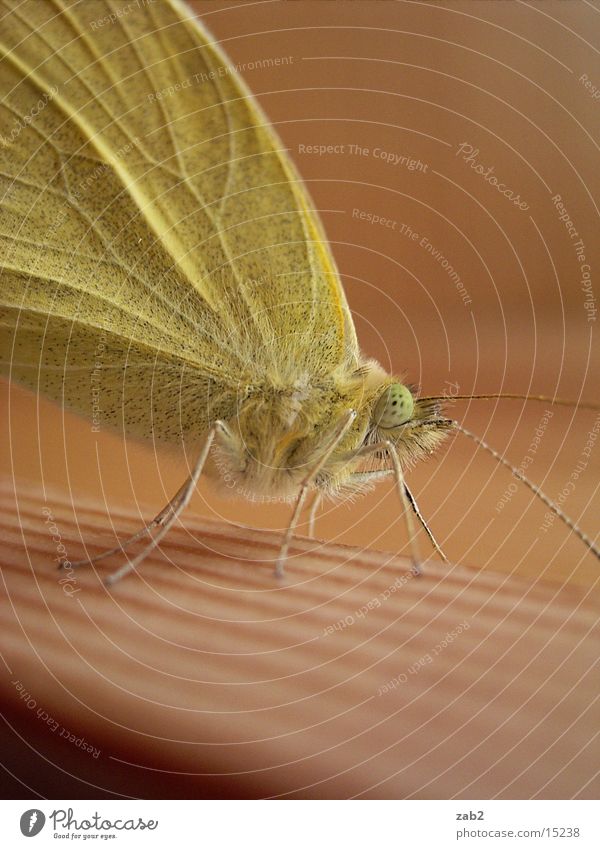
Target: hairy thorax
[(281, 433), (284, 434)]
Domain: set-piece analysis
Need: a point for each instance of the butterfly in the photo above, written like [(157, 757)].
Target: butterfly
[(165, 276)]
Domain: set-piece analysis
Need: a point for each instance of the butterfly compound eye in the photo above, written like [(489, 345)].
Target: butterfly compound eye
[(395, 407)]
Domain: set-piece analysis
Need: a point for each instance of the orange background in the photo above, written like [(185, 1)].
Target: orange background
[(417, 80)]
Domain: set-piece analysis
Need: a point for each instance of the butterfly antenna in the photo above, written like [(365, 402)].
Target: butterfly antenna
[(588, 542), (548, 399)]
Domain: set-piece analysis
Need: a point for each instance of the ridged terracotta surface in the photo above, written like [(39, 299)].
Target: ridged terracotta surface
[(204, 676)]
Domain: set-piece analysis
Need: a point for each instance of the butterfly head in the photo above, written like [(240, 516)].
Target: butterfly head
[(415, 426), (395, 406)]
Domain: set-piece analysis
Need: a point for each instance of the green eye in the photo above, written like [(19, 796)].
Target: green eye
[(395, 407)]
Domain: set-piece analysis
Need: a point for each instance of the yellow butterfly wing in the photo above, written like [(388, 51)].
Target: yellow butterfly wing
[(157, 244)]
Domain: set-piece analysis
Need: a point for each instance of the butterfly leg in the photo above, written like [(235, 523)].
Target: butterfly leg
[(184, 495), (165, 518), (338, 433), (408, 501), (378, 474), (408, 516), (158, 520), (312, 513), (424, 524)]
